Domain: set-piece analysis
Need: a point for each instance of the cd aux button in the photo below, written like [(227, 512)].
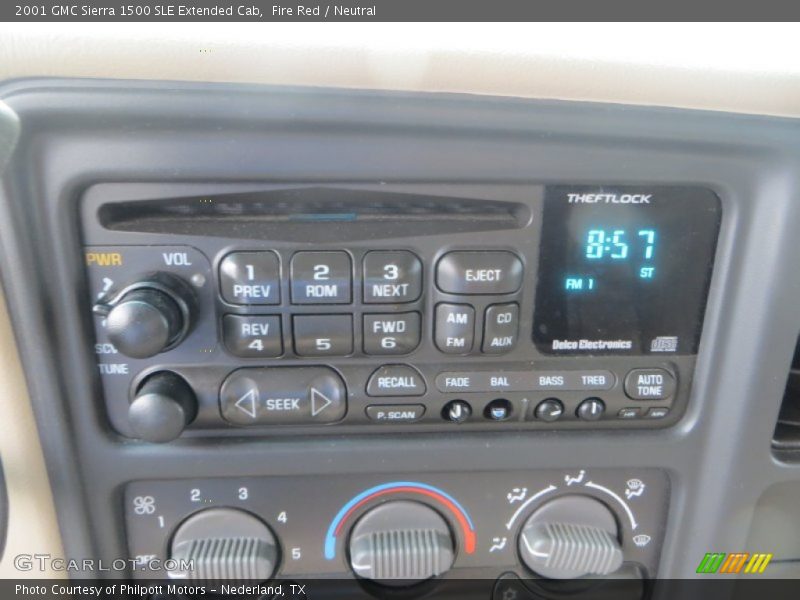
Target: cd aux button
[(501, 325)]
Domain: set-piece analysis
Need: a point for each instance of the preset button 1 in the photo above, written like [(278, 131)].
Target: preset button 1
[(250, 278), (392, 277), (490, 272)]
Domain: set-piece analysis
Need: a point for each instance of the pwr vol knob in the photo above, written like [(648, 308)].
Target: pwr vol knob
[(401, 543), (149, 316)]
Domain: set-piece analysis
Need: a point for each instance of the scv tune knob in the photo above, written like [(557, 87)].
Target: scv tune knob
[(164, 405), (400, 543), (570, 537), (225, 543)]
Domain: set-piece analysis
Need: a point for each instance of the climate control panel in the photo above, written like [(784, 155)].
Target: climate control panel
[(545, 524)]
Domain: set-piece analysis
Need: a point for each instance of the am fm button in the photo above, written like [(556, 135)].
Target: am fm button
[(649, 384)]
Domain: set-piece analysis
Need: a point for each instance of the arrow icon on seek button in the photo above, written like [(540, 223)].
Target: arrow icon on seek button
[(247, 403), (319, 402)]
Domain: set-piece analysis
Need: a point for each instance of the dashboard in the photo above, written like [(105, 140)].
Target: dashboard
[(385, 337)]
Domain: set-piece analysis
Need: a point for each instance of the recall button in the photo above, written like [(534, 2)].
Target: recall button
[(395, 413), (649, 384), (396, 380)]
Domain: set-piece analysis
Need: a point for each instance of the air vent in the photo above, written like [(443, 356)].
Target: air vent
[(787, 432)]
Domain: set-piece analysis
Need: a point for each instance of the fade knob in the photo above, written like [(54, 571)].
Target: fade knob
[(149, 316), (224, 543), (571, 537), (164, 405), (400, 543)]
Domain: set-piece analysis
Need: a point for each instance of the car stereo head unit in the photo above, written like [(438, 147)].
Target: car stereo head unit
[(273, 309)]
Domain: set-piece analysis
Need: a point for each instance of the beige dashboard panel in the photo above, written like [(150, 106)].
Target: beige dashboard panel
[(32, 526), (745, 67)]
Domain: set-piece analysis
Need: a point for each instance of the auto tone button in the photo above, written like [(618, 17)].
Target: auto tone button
[(649, 384)]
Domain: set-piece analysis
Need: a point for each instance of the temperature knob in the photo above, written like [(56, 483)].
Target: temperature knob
[(149, 316), (570, 537), (224, 543), (401, 543)]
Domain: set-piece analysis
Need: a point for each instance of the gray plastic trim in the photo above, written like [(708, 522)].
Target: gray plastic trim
[(75, 133)]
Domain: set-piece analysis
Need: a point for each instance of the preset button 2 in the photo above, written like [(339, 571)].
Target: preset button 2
[(392, 277), (321, 278)]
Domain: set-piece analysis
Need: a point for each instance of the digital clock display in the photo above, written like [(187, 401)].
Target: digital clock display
[(624, 270)]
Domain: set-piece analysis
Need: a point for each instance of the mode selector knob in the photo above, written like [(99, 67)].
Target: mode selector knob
[(401, 543), (570, 537), (149, 316), (224, 543)]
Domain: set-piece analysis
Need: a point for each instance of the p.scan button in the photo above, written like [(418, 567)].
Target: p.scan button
[(395, 413), (283, 396)]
